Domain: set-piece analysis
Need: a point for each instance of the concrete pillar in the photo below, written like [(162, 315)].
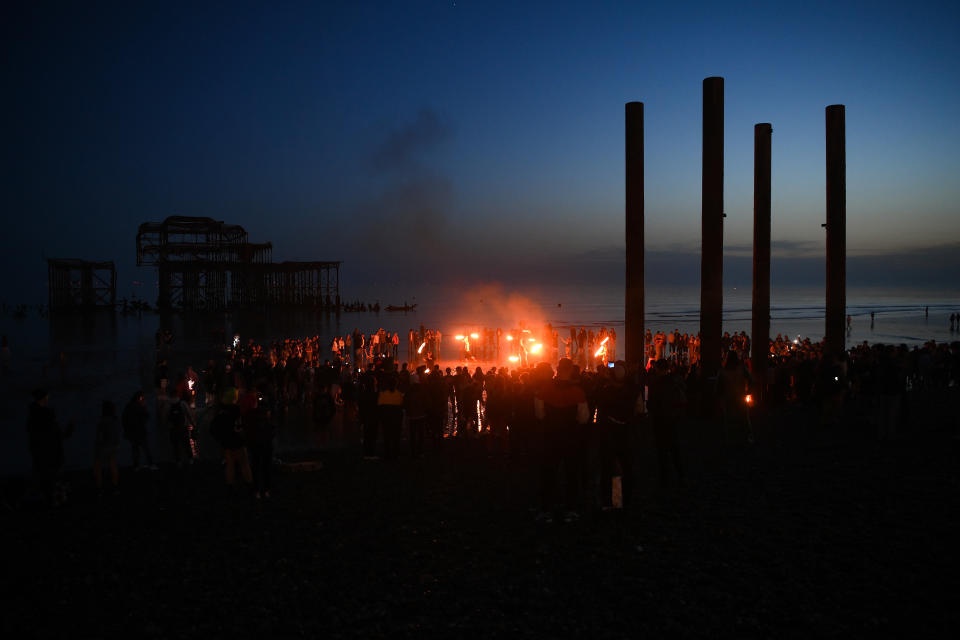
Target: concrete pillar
[(634, 307), (760, 331), (835, 319), (711, 263)]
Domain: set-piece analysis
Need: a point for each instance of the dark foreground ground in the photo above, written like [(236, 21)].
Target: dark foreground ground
[(807, 533)]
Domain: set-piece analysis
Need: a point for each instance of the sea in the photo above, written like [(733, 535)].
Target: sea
[(108, 355)]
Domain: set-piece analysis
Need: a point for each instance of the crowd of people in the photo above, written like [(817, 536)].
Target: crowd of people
[(576, 417)]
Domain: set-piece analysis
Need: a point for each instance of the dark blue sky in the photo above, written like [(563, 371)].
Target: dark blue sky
[(469, 139)]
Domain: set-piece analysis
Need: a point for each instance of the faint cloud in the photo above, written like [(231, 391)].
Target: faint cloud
[(795, 247), (402, 145)]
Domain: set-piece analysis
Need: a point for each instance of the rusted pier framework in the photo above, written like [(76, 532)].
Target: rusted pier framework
[(633, 321), (79, 285), (205, 264)]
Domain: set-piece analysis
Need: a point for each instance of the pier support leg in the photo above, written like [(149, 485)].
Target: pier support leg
[(711, 265), (835, 329), (760, 329), (634, 303)]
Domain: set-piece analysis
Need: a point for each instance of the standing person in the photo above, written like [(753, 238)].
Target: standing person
[(46, 438), (390, 413), (5, 352), (134, 422), (259, 431), (562, 406), (620, 408), (324, 410), (227, 430), (734, 385), (106, 443), (415, 403), (180, 423), (668, 401), (367, 412)]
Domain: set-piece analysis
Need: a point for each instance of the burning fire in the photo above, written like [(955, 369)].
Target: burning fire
[(602, 348), (748, 399)]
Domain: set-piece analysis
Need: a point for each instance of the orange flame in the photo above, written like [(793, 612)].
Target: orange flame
[(748, 399)]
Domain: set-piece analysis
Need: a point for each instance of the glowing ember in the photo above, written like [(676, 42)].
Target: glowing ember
[(748, 399), (420, 350)]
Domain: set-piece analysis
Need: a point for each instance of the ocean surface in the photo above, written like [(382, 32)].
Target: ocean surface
[(109, 356)]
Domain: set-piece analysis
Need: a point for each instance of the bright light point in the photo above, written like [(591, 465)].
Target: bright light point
[(514, 358), (474, 335)]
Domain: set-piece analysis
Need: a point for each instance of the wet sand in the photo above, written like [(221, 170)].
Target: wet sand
[(807, 533)]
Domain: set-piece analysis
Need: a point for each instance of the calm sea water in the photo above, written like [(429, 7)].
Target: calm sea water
[(109, 356)]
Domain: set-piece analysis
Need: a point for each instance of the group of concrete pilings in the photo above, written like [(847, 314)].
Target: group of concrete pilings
[(711, 265)]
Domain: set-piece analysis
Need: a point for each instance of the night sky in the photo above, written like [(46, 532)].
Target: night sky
[(472, 140)]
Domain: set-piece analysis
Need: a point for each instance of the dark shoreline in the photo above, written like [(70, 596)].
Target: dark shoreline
[(809, 532)]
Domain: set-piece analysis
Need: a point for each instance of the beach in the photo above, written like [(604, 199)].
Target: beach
[(806, 533)]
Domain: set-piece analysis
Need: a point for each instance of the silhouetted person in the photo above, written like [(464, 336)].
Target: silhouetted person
[(415, 402), (134, 422), (106, 444), (259, 431), (390, 413), (46, 438), (620, 408), (667, 406), (562, 406)]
